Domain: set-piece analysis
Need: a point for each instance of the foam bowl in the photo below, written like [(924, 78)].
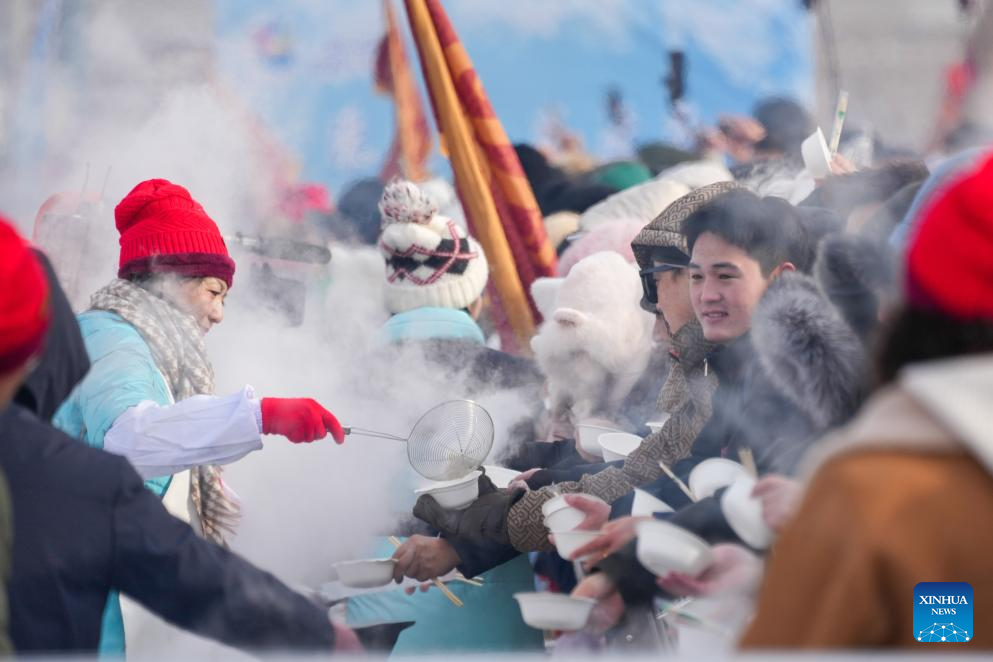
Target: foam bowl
[(560, 516), (567, 542), (554, 611), (645, 504), (663, 548), (657, 424), (744, 513), (501, 476), (365, 573), (589, 432), (816, 154), (713, 474), (618, 445), (454, 494)]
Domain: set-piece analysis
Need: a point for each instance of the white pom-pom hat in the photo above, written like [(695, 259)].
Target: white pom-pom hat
[(430, 260)]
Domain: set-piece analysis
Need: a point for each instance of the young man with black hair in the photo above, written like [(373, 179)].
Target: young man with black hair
[(750, 303)]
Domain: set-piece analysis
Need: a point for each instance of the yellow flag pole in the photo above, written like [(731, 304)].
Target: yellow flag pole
[(469, 175)]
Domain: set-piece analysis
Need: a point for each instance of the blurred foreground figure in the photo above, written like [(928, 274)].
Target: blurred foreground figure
[(86, 525), (24, 318), (901, 495)]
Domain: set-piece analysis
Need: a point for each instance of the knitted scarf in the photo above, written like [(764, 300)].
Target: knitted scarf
[(177, 346)]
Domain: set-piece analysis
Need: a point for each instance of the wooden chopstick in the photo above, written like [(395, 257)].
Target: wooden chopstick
[(447, 592), (680, 484), (748, 461)]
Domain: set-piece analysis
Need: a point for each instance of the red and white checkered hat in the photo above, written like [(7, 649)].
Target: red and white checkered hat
[(430, 260)]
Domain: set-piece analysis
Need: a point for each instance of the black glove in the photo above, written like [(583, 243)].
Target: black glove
[(483, 521)]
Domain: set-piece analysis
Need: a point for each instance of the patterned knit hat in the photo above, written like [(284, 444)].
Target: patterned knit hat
[(430, 260), (665, 233), (164, 230)]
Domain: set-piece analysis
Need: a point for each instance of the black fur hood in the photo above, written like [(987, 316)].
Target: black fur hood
[(809, 353)]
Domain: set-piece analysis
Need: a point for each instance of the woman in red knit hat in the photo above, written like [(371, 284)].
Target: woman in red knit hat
[(149, 395)]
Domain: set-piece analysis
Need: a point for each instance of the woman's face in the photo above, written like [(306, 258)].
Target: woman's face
[(674, 306), (203, 298)]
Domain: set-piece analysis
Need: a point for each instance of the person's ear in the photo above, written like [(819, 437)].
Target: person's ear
[(781, 269)]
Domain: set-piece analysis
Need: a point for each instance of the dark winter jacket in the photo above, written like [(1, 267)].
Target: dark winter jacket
[(84, 525), (797, 374)]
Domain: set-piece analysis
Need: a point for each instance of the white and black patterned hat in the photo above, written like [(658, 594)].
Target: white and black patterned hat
[(430, 260)]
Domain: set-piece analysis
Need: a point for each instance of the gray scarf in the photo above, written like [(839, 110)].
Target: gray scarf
[(176, 343)]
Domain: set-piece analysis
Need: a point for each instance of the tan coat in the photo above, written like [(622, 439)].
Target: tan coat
[(902, 495)]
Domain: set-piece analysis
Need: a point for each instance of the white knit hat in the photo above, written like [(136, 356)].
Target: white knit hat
[(430, 260)]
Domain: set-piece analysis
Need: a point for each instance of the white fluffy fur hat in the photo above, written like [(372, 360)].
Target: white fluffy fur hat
[(430, 260), (597, 312)]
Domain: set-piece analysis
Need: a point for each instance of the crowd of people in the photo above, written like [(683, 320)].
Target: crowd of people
[(830, 335)]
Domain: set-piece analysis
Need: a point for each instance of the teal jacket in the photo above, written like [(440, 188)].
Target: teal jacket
[(490, 621), (432, 324), (122, 374)]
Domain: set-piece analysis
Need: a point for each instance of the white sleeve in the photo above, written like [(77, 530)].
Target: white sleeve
[(204, 429)]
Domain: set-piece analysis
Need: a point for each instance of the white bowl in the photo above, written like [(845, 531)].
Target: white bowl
[(816, 154), (713, 474), (589, 432), (663, 547), (367, 573), (567, 542), (553, 504), (744, 513), (618, 445), (657, 424), (554, 611), (501, 476), (565, 518), (454, 494), (644, 504)]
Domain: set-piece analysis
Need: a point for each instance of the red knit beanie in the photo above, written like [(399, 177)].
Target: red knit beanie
[(24, 309), (164, 230), (950, 258)]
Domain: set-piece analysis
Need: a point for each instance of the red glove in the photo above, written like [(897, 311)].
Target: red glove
[(299, 419)]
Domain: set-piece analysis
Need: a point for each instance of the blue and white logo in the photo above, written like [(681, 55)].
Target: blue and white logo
[(943, 612)]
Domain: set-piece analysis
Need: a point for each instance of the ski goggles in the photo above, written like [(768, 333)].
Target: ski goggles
[(650, 292)]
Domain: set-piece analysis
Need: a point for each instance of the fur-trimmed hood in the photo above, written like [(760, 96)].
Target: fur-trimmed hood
[(808, 351), (858, 276)]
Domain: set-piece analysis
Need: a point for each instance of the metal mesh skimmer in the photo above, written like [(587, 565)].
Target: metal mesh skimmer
[(447, 442)]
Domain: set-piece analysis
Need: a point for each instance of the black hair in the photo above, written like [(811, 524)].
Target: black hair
[(767, 229), (843, 193), (786, 124), (915, 336)]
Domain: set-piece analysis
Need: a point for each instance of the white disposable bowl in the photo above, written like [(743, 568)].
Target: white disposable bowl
[(367, 573), (618, 445), (657, 424), (713, 474), (663, 547), (553, 504), (554, 611), (589, 433), (565, 518), (744, 513), (454, 494), (816, 154), (645, 504), (501, 476), (567, 542)]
